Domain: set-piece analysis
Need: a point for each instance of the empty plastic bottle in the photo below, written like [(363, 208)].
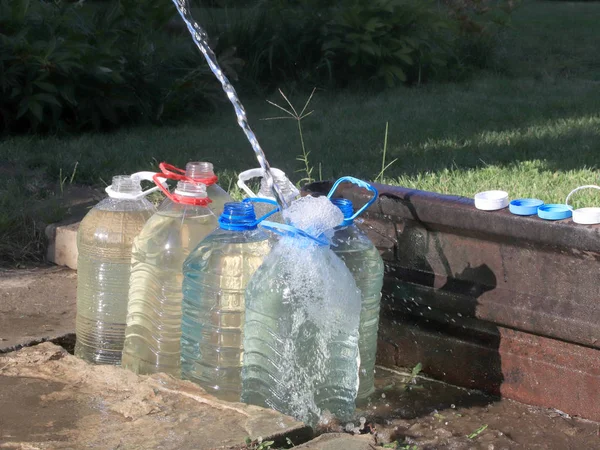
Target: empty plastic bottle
[(363, 259), (301, 352), (201, 172), (288, 190), (104, 244), (215, 277), (153, 334)]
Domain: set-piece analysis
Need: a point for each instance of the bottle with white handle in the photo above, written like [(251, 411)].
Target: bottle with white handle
[(104, 243), (289, 191)]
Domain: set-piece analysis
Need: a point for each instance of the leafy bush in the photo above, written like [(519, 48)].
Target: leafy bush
[(386, 39), (381, 41), (64, 66)]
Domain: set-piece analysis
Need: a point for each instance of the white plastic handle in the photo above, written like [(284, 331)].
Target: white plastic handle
[(145, 176), (255, 173), (584, 216)]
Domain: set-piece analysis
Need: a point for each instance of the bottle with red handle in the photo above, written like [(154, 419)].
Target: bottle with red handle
[(153, 333)]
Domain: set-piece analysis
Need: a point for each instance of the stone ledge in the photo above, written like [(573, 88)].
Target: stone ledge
[(77, 405), (62, 243)]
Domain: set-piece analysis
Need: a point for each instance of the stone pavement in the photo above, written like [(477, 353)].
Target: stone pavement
[(36, 305), (53, 400)]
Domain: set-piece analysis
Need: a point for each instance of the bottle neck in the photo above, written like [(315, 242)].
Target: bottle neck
[(201, 171), (282, 182), (238, 216), (125, 184), (346, 208)]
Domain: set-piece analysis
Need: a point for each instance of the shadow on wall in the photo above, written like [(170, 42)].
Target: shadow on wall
[(429, 317)]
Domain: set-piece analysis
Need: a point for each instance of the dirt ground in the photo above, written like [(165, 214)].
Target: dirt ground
[(415, 413)]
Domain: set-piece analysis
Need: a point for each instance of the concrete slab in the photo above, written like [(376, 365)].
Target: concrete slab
[(53, 400), (36, 305)]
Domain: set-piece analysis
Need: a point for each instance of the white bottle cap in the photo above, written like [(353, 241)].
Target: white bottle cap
[(491, 200)]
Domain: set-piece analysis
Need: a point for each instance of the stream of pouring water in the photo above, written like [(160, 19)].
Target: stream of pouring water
[(200, 38)]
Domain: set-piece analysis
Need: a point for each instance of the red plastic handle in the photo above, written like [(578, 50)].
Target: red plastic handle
[(182, 199), (175, 173)]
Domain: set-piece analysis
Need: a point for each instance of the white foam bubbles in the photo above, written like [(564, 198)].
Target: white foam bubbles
[(315, 215)]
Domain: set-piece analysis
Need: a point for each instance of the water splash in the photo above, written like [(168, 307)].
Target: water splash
[(200, 38)]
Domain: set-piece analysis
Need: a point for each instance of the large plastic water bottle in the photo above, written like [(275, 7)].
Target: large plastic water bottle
[(201, 172), (301, 352), (104, 244), (215, 277), (363, 259), (153, 334), (289, 191)]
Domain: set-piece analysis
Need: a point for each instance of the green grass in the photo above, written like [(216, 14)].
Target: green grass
[(532, 127)]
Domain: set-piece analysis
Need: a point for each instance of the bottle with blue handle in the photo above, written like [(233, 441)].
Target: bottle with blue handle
[(215, 277), (364, 262), (301, 352)]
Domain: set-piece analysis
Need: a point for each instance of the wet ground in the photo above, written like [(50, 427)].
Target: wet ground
[(407, 411), (411, 412)]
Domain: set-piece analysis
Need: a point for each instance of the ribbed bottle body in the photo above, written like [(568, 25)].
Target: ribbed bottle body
[(215, 278), (152, 341), (301, 335), (364, 262), (104, 242)]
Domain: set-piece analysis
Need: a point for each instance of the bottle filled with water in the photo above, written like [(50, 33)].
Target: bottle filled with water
[(153, 334), (215, 277), (288, 190), (364, 262), (104, 244), (301, 352)]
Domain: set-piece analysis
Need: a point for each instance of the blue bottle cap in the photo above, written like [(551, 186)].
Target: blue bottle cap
[(525, 206), (347, 209), (238, 216), (555, 212)]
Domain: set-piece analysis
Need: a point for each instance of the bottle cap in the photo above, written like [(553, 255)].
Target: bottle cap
[(585, 216), (525, 206), (491, 200), (556, 211)]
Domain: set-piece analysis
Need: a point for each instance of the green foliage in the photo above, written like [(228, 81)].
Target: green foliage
[(79, 66), (377, 41), (385, 39)]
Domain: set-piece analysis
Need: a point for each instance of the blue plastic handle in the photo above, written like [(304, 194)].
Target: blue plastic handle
[(263, 200), (359, 183), (288, 230)]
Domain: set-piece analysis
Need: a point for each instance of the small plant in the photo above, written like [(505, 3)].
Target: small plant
[(414, 374), (298, 117), (258, 444), (384, 166), (477, 432), (63, 181)]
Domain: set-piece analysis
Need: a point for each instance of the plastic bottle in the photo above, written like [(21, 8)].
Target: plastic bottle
[(215, 277), (152, 337), (301, 352), (363, 259), (104, 244), (289, 191)]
